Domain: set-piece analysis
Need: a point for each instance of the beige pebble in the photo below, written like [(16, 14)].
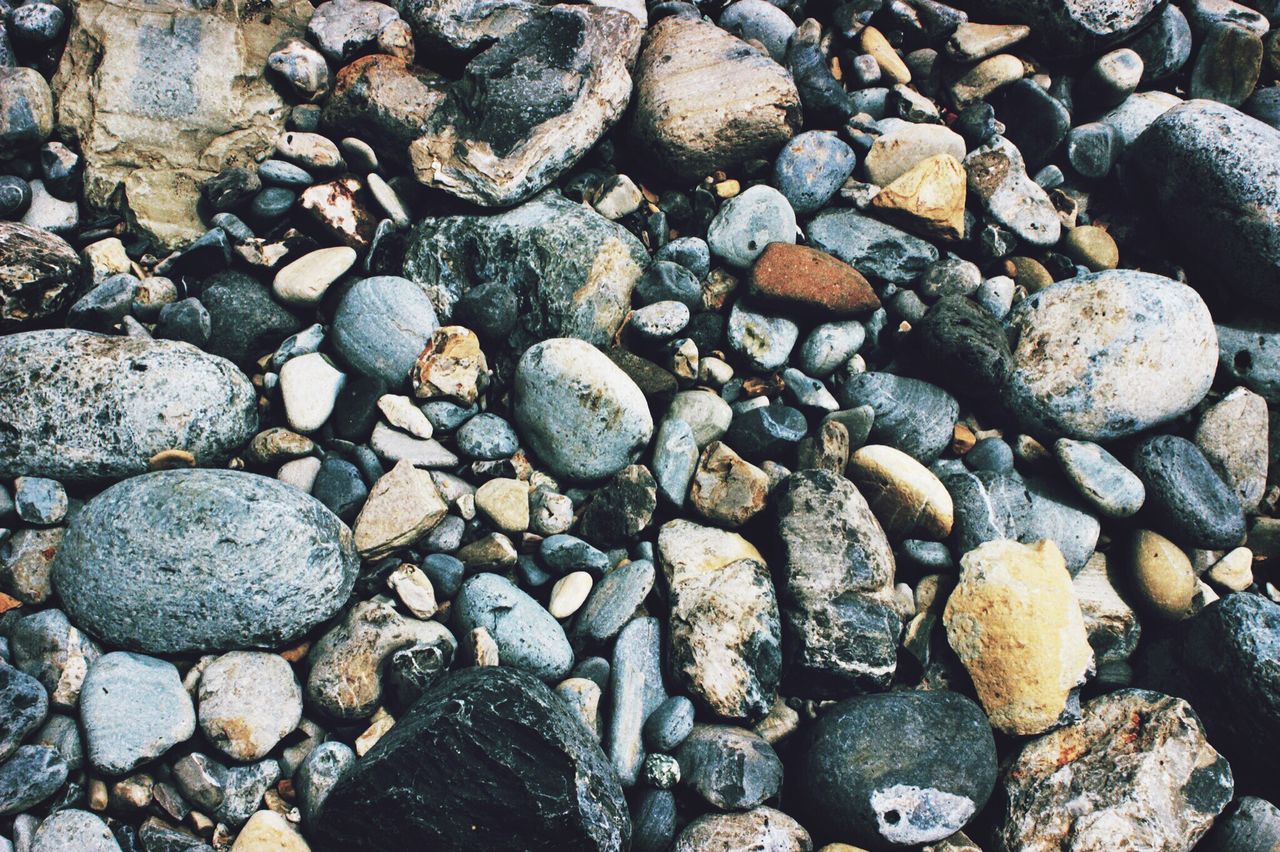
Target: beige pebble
[(404, 415), (306, 280), (1233, 572), (1162, 575), (907, 499), (402, 507), (727, 488), (984, 78), (300, 473), (506, 503), (414, 590), (379, 724), (267, 831), (878, 48), (484, 650), (494, 550), (569, 593)]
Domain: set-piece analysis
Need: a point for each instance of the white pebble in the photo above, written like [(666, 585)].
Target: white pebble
[(309, 386), (569, 593), (300, 473)]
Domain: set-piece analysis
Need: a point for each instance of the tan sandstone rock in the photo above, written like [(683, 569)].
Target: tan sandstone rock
[(928, 198), (403, 505)]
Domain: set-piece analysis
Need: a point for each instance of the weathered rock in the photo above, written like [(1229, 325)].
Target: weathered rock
[(998, 179), (267, 829), (402, 507), (571, 269), (1233, 435), (1015, 623), (903, 145), (963, 347), (528, 637), (812, 281), (203, 560), (25, 705), (1083, 27), (31, 775), (40, 274), (70, 829), (1112, 624), (1186, 499), (878, 251), (1202, 168), (27, 106), (133, 708), (133, 71), (384, 100), (1101, 478), (488, 758), (911, 415), (899, 768), (908, 500), (928, 198), (1147, 354), (761, 828), (727, 489), (837, 607), (51, 649), (528, 108), (724, 629), (248, 702), (730, 768), (706, 101), (381, 325), (1136, 768), (25, 563), (636, 691), (82, 406)]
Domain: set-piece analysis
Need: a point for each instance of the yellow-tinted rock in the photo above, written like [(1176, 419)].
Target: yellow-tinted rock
[(727, 489), (1233, 572), (1028, 273), (1162, 575), (452, 366), (403, 506), (506, 503), (1092, 247), (878, 48), (984, 78), (907, 499), (267, 831), (1015, 623), (929, 198)]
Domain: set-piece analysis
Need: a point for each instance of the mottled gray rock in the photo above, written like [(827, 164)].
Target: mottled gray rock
[(24, 704), (747, 223), (1203, 169), (1137, 765), (39, 274), (1186, 499), (730, 768), (32, 774), (248, 702), (203, 560), (381, 326), (578, 411), (668, 725), (316, 777), (1080, 27), (1147, 355), (998, 179), (837, 603), (133, 709), (1054, 516), (1249, 352), (763, 340), (1165, 46), (571, 270), (528, 637), (81, 406), (636, 691), (344, 29), (762, 21), (1233, 435), (25, 563), (62, 733), (455, 27), (73, 830), (51, 649), (880, 252), (675, 456), (614, 600), (1247, 824), (244, 787), (911, 415), (1100, 477)]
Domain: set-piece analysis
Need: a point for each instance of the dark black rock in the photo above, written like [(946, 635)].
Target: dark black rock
[(105, 305), (912, 415), (340, 487), (822, 96), (446, 573), (230, 188), (245, 321), (15, 197), (730, 768), (270, 204), (1186, 499), (490, 310), (962, 346), (489, 758), (186, 320), (1035, 121), (356, 411), (62, 169), (1248, 824), (23, 706), (769, 432), (976, 123), (898, 768), (654, 819), (621, 508)]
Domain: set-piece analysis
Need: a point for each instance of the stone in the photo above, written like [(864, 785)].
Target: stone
[(1162, 575), (1112, 624), (972, 42), (688, 126), (268, 829), (998, 179), (132, 71), (488, 757), (302, 68), (963, 347), (244, 320), (530, 106), (810, 281), (505, 502), (25, 704), (764, 340), (908, 500), (730, 768), (747, 223), (528, 637), (403, 506), (973, 85), (1247, 823), (487, 436), (1140, 767), (1233, 435), (1147, 356), (27, 106), (31, 775), (1101, 478), (614, 600), (725, 631), (1185, 497), (452, 366), (133, 709), (1227, 66), (1198, 168), (245, 787), (898, 768), (341, 209), (812, 166), (636, 692), (401, 413), (580, 413), (620, 509), (309, 388), (570, 269), (347, 663), (381, 325), (25, 560), (39, 501), (203, 560), (838, 570), (1084, 28), (343, 29), (1091, 247), (1249, 352), (1234, 571), (248, 701), (1165, 46), (322, 768), (880, 252), (830, 345), (727, 489), (911, 415), (305, 280), (759, 828), (47, 646), (65, 830), (927, 198), (385, 101), (217, 412), (1015, 623), (568, 594), (39, 275)]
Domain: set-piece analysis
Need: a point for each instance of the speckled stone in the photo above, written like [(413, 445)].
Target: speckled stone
[(1186, 498)]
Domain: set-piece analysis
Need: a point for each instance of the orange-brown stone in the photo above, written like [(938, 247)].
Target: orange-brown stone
[(808, 278)]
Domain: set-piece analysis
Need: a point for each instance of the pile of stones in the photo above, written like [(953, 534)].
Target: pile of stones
[(774, 425)]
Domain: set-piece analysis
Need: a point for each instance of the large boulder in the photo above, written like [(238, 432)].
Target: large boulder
[(1073, 27), (163, 94)]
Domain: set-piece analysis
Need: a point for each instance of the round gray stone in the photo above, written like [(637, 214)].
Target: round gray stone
[(746, 223), (133, 708), (381, 326)]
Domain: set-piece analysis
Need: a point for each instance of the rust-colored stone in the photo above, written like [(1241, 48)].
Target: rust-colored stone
[(808, 278)]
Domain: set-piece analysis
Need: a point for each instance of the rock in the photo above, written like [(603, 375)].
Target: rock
[(381, 325), (879, 251), (385, 100), (39, 275), (620, 509), (972, 86), (1162, 575), (742, 105), (39, 501), (829, 346), (401, 413), (571, 270), (1112, 624), (320, 771), (1140, 768), (245, 787), (581, 414), (25, 560), (911, 415), (248, 702), (746, 224), (1249, 352), (998, 178), (1083, 28), (963, 347), (1015, 623), (1199, 167), (305, 280), (635, 692), (724, 619), (309, 388), (161, 395), (133, 709), (928, 198), (898, 768), (1147, 355), (27, 107), (343, 29), (244, 320), (268, 829), (1091, 247), (530, 106), (51, 649), (132, 71), (908, 500), (838, 578), (1185, 497), (71, 829), (1247, 823), (25, 705), (1055, 516), (730, 768), (971, 42), (31, 775), (302, 68), (765, 341), (1233, 435), (614, 600), (1227, 65), (528, 637), (452, 366), (812, 166), (1101, 478), (759, 828), (403, 506), (203, 560), (505, 502), (904, 145), (489, 757), (812, 281), (762, 21), (727, 489), (1165, 46)]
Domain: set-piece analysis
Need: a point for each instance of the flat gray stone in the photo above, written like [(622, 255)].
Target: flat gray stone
[(635, 691), (133, 709), (528, 637)]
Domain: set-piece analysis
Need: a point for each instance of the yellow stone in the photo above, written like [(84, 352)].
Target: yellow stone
[(1233, 572), (1029, 273), (1163, 575), (451, 366), (688, 549), (1091, 247), (267, 831), (984, 78), (891, 65), (506, 503), (727, 489), (928, 198), (1015, 622), (906, 498)]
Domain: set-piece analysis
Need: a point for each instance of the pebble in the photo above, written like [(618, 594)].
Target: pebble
[(668, 281), (902, 145), (322, 769), (620, 509), (727, 489), (909, 501), (636, 691), (487, 437), (975, 84), (764, 340), (306, 280), (910, 415), (670, 724), (998, 179), (47, 646), (269, 830), (1162, 575), (829, 346), (528, 637), (972, 42), (1227, 65), (506, 503), (248, 701), (928, 198), (403, 505), (1165, 46), (675, 457), (881, 252), (811, 167), (1101, 478), (133, 709), (228, 560), (1185, 497), (730, 768), (244, 320), (578, 411), (32, 774), (1113, 626), (963, 347), (15, 196), (1233, 435), (27, 108), (39, 501), (758, 828), (73, 829), (804, 279), (899, 768), (767, 431), (1015, 623), (381, 325), (309, 388), (749, 222), (569, 593)]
